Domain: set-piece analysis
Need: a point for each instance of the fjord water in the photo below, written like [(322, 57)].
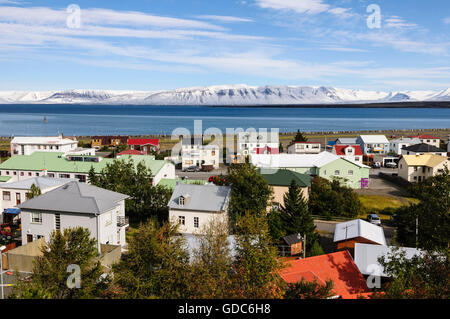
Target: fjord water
[(134, 120)]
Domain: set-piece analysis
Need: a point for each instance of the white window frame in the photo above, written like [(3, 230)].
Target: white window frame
[(36, 218)]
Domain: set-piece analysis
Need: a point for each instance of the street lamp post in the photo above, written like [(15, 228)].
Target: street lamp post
[(1, 269)]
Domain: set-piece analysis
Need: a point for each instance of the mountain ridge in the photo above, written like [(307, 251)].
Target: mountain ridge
[(224, 95)]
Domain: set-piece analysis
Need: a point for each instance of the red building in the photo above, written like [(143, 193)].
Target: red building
[(146, 145)]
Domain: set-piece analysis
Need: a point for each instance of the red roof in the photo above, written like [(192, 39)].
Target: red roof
[(425, 137), (131, 152), (340, 149), (348, 281), (143, 141), (267, 150)]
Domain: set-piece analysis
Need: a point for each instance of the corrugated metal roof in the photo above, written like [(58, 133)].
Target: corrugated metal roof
[(284, 177), (75, 197), (210, 198), (359, 228), (374, 139), (43, 182)]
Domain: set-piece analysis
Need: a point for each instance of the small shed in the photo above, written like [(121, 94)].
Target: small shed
[(294, 242)]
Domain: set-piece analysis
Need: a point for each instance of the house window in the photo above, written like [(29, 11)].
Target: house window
[(37, 174), (350, 172), (182, 220), (325, 172), (36, 218), (337, 173), (57, 221), (7, 196), (51, 175), (29, 173), (181, 201), (415, 168), (196, 223), (22, 173), (64, 175)]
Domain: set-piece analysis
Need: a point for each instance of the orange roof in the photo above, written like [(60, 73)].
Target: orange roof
[(348, 281)]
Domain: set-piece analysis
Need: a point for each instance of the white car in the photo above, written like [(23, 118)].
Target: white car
[(374, 219), (391, 165)]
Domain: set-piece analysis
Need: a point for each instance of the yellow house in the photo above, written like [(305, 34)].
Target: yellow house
[(416, 168), (280, 180)]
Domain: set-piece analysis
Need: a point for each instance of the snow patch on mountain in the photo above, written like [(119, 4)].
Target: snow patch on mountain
[(240, 94)]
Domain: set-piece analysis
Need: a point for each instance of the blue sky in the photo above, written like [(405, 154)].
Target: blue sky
[(168, 44)]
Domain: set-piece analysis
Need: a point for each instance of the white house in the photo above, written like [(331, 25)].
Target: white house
[(304, 148), (195, 206), (373, 144), (429, 139), (76, 205), (15, 193), (249, 142), (416, 168), (423, 148), (349, 152), (399, 143), (194, 153), (26, 145)]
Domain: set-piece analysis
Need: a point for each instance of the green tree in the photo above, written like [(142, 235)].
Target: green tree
[(211, 263), (276, 226), (333, 199), (432, 215), (256, 265), (34, 191), (316, 250), (420, 277), (295, 215), (146, 201), (50, 275), (250, 192), (156, 266), (309, 290), (299, 137)]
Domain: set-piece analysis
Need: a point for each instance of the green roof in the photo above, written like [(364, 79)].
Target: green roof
[(171, 183), (4, 178), (284, 177), (55, 162)]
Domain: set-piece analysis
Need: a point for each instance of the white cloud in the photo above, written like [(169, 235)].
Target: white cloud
[(399, 23), (224, 18), (447, 20), (299, 6)]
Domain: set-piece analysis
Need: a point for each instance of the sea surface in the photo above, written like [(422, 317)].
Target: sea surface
[(28, 120)]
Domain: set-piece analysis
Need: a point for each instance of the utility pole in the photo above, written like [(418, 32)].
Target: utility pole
[(304, 245), (417, 231)]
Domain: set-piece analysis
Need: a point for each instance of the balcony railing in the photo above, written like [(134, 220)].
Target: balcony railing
[(122, 221)]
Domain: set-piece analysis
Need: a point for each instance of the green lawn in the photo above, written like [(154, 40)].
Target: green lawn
[(377, 203)]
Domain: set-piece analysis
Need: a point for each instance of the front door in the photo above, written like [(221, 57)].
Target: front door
[(18, 201), (29, 238)]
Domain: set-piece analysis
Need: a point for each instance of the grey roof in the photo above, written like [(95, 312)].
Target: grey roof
[(75, 197), (210, 198), (423, 148), (43, 182), (346, 140), (292, 239)]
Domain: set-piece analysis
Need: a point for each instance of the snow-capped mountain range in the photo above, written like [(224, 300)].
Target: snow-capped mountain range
[(224, 95)]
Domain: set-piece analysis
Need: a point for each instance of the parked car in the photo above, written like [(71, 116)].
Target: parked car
[(191, 169), (207, 168), (391, 165), (374, 219)]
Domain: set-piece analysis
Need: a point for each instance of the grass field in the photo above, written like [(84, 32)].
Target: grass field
[(377, 203)]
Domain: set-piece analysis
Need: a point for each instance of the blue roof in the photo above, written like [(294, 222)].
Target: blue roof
[(12, 211)]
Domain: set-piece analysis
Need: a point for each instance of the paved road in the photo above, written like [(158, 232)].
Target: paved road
[(9, 279), (200, 175)]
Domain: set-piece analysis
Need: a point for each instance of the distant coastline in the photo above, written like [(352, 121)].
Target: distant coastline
[(398, 105)]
